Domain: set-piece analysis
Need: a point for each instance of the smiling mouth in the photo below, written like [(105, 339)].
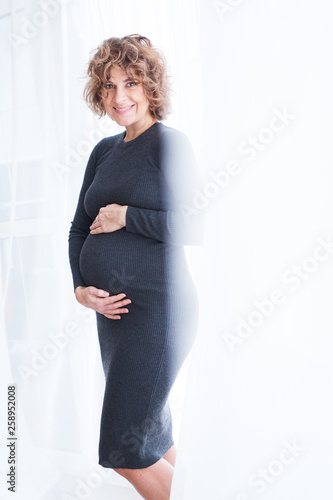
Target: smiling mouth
[(123, 110)]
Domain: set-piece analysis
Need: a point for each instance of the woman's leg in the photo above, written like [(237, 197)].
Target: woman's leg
[(170, 455), (154, 482)]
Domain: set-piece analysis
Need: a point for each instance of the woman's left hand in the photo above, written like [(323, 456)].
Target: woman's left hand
[(109, 219)]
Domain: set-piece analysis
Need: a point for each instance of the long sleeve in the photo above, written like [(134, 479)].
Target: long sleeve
[(79, 229), (181, 223)]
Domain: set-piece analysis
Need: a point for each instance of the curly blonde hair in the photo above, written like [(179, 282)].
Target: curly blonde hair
[(135, 55)]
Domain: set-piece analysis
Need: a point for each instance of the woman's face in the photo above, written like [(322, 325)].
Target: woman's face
[(125, 101)]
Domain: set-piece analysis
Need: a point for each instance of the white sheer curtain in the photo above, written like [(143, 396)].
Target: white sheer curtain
[(253, 83), (49, 344), (258, 414)]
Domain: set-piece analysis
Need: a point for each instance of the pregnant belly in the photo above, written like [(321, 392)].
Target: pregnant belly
[(143, 269), (122, 261)]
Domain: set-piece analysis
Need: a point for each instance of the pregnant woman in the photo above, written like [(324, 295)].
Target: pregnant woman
[(134, 215)]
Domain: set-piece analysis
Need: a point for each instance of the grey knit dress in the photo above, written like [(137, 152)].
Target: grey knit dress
[(156, 175)]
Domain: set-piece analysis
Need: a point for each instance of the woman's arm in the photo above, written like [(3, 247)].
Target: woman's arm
[(80, 224), (89, 296), (183, 223), (168, 226)]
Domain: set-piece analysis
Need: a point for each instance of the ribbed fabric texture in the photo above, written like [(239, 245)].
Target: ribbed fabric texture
[(156, 176)]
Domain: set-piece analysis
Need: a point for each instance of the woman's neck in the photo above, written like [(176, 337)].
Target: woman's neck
[(133, 132)]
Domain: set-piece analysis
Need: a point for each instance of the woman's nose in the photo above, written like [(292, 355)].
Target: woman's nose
[(120, 95)]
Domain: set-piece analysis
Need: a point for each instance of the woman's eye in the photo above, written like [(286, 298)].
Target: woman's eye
[(111, 86)]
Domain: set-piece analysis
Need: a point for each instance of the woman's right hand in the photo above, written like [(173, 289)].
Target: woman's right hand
[(101, 301)]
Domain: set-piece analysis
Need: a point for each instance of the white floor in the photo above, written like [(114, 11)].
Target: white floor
[(64, 490), (110, 492)]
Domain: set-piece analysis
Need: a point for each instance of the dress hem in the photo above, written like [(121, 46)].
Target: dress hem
[(106, 464)]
